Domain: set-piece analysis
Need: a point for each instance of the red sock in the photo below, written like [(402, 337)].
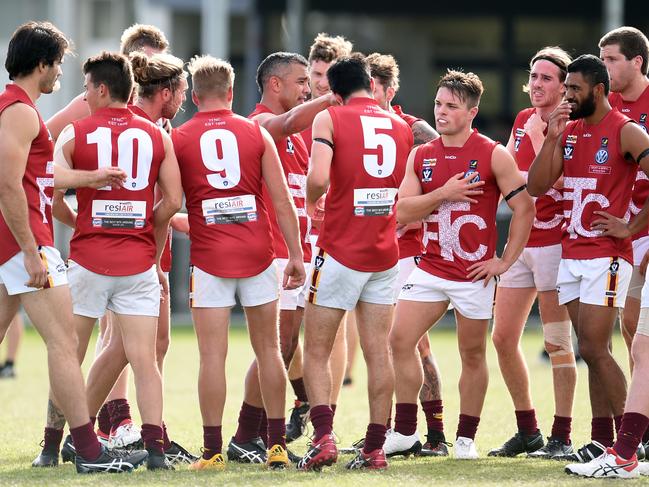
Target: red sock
[(119, 411), (601, 430), (152, 437), (276, 432), (212, 441), (299, 389), (333, 409), (526, 422), (631, 430), (93, 420), (52, 439), (165, 437), (434, 415), (645, 437), (103, 420), (561, 428), (617, 420), (85, 442), (248, 428), (405, 419), (374, 438), (467, 426), (322, 419), (262, 432)]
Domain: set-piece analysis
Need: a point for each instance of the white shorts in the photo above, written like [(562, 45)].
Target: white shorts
[(289, 299), (13, 274), (640, 248), (334, 285), (471, 299), (536, 267), (603, 281), (208, 291), (643, 321), (406, 266), (93, 294)]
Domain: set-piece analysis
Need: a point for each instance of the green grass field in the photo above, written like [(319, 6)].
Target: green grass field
[(23, 401)]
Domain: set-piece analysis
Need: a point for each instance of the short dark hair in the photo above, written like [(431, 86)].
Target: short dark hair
[(33, 43), (465, 86), (592, 69), (113, 70), (632, 43), (349, 74), (274, 64)]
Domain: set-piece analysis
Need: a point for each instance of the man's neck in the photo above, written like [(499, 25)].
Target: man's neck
[(273, 104), (544, 112), (459, 139), (153, 112), (359, 94), (214, 105), (635, 89), (31, 86)]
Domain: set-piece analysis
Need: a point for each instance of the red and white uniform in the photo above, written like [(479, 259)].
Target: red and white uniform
[(359, 229), (459, 234), (220, 155), (38, 184), (409, 119), (596, 177)]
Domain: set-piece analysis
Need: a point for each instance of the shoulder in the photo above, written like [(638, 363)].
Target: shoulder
[(21, 118)]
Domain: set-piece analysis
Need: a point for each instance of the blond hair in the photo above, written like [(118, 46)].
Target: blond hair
[(327, 48), (385, 69), (211, 77), (139, 36)]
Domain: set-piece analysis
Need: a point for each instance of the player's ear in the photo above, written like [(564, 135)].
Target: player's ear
[(389, 94), (339, 99), (230, 94), (473, 112), (194, 98)]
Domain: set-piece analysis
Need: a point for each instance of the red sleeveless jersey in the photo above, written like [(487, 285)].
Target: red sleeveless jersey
[(38, 182), (409, 119), (370, 152), (639, 111), (548, 221), (596, 177), (220, 154), (295, 162), (114, 232), (165, 258), (459, 234)]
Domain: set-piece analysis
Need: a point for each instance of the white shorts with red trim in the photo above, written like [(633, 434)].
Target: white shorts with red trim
[(603, 281), (536, 267), (334, 285), (93, 294), (13, 274), (209, 291), (473, 300)]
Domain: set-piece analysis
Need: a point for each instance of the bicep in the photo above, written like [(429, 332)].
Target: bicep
[(410, 185), (271, 169), (169, 175), (20, 126), (508, 177)]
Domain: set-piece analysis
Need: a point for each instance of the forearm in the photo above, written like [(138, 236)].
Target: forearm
[(641, 220), (314, 190), (519, 232), (65, 178), (537, 142), (415, 208), (541, 175), (289, 225), (13, 205), (161, 216), (422, 132), (62, 211)]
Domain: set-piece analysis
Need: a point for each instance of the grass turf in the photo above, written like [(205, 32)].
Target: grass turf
[(23, 402)]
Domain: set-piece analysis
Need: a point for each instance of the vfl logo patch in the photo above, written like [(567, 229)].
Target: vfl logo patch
[(568, 151), (417, 259), (426, 175), (318, 262), (615, 266), (289, 146)]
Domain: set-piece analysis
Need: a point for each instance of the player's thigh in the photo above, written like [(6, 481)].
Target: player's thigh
[(549, 308), (211, 325), (373, 322), (511, 311), (471, 335), (321, 325), (50, 311), (8, 308)]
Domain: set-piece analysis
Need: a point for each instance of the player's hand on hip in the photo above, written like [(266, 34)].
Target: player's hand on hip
[(610, 226), (35, 269), (294, 274), (463, 187), (486, 270), (108, 176)]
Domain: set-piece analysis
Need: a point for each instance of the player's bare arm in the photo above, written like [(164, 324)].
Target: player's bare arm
[(75, 110), (413, 206), (635, 142), (180, 222), (19, 127), (296, 119), (548, 163), (171, 202), (317, 181), (512, 187), (271, 168), (422, 132), (62, 211)]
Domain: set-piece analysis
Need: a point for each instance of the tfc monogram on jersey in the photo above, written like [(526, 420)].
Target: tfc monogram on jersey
[(114, 230), (596, 177), (411, 243), (636, 110), (370, 152), (459, 234), (295, 161), (220, 154), (546, 229), (38, 182), (165, 258)]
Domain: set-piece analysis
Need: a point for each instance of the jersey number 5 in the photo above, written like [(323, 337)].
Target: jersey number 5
[(373, 140), (220, 154), (137, 178)]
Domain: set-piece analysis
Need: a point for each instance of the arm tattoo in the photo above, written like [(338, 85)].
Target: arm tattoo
[(431, 389), (422, 132), (55, 418)]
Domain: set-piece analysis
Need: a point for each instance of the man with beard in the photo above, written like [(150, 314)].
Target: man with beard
[(597, 153)]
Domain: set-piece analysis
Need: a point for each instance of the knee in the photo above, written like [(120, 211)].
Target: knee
[(592, 352), (473, 357), (640, 352), (558, 344), (162, 346), (504, 343)]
